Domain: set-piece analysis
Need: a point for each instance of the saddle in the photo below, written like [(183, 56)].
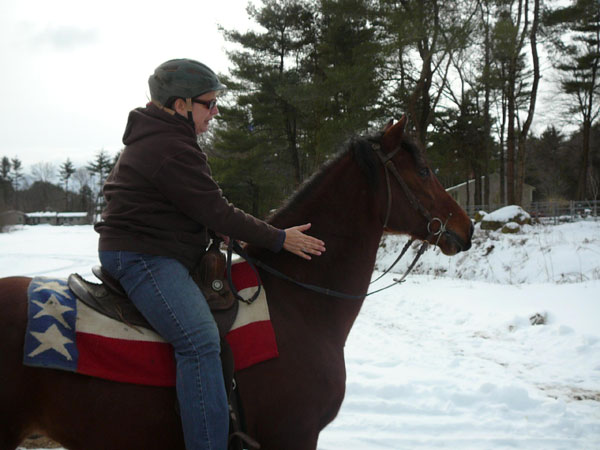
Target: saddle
[(109, 298)]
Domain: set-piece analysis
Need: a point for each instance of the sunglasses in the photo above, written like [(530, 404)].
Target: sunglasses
[(210, 104)]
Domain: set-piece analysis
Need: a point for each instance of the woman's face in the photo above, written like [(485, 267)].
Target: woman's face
[(202, 111), (204, 108)]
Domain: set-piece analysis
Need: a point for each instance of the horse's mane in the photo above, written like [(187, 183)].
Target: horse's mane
[(361, 149)]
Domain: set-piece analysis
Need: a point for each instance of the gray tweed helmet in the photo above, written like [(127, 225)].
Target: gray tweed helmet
[(182, 78)]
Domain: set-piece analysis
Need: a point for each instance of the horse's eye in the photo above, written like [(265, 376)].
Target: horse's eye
[(424, 172)]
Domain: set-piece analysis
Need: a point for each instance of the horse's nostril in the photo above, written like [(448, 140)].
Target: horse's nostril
[(467, 245)]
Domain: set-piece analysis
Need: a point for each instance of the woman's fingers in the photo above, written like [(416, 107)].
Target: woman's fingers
[(302, 244)]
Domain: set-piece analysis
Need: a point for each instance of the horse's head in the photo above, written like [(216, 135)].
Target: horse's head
[(416, 202)]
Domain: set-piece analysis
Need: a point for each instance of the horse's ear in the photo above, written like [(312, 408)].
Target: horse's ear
[(395, 132), (388, 126)]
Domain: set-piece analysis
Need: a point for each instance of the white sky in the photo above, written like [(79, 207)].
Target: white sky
[(73, 69)]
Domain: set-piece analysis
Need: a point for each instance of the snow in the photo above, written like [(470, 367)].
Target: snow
[(507, 213), (450, 358), (566, 253), (52, 214)]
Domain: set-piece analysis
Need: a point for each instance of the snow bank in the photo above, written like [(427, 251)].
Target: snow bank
[(566, 253), (449, 359), (507, 213)]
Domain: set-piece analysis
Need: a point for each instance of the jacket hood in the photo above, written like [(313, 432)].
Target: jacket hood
[(150, 120)]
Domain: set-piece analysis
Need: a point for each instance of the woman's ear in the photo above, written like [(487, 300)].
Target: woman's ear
[(179, 106)]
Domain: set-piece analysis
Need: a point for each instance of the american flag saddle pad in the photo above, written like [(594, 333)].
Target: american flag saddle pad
[(64, 333)]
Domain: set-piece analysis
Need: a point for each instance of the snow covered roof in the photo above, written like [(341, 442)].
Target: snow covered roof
[(56, 214)]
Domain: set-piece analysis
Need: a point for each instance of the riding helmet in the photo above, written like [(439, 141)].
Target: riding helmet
[(182, 78)]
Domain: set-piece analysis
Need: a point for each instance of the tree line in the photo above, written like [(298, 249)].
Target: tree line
[(78, 189), (467, 73)]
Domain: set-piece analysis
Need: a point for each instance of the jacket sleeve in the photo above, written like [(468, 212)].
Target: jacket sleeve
[(185, 179)]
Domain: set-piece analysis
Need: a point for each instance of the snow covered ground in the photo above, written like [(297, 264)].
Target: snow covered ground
[(449, 359)]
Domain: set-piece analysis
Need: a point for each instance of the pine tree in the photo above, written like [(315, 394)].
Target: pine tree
[(5, 169), (546, 168), (299, 89), (260, 135), (67, 169), (16, 178), (577, 47), (347, 75), (17, 172), (5, 182), (100, 168)]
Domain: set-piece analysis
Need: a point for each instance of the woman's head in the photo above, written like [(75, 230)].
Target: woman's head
[(181, 78), (186, 87)]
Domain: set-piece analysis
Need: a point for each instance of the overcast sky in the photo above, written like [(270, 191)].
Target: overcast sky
[(73, 69)]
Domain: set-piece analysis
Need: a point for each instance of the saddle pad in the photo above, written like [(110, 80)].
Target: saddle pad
[(64, 333)]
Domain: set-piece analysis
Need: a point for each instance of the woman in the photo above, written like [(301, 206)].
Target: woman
[(161, 202)]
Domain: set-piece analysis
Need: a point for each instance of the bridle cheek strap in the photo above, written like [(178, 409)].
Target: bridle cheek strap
[(388, 165)]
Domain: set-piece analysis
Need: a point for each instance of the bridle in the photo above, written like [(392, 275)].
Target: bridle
[(389, 167)]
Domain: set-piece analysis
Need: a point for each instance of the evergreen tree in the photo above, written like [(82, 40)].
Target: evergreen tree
[(260, 132), (42, 196), (100, 168), (67, 169), (86, 196), (5, 182), (462, 136), (576, 42), (16, 178), (17, 172), (546, 168), (347, 83), (299, 88), (267, 70), (5, 169)]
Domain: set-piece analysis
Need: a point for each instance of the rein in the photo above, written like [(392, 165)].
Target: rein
[(388, 164)]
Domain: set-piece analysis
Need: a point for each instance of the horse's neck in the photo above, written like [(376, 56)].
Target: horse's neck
[(344, 213)]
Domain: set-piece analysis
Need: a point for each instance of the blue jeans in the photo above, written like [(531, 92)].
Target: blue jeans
[(164, 292)]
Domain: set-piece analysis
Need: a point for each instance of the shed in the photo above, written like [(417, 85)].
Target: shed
[(459, 193), (12, 217)]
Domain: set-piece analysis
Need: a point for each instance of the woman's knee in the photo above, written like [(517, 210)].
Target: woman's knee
[(200, 340)]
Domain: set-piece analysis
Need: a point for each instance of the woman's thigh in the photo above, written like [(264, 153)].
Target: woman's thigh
[(165, 293)]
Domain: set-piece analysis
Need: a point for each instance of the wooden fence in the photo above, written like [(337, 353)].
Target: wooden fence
[(552, 212)]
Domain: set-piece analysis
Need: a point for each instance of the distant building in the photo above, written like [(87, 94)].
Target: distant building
[(57, 218), (12, 217), (459, 194)]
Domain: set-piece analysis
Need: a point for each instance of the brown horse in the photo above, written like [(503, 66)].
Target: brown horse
[(287, 401)]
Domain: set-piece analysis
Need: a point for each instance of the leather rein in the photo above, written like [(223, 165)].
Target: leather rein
[(389, 167)]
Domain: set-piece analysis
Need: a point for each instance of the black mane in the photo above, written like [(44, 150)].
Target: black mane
[(361, 148), (362, 151)]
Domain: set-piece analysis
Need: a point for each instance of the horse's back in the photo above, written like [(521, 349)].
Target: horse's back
[(13, 319), (78, 411), (15, 398)]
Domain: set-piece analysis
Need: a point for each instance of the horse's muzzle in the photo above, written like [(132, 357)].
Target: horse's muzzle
[(457, 241)]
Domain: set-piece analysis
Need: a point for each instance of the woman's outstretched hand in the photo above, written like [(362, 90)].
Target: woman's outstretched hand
[(301, 244)]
